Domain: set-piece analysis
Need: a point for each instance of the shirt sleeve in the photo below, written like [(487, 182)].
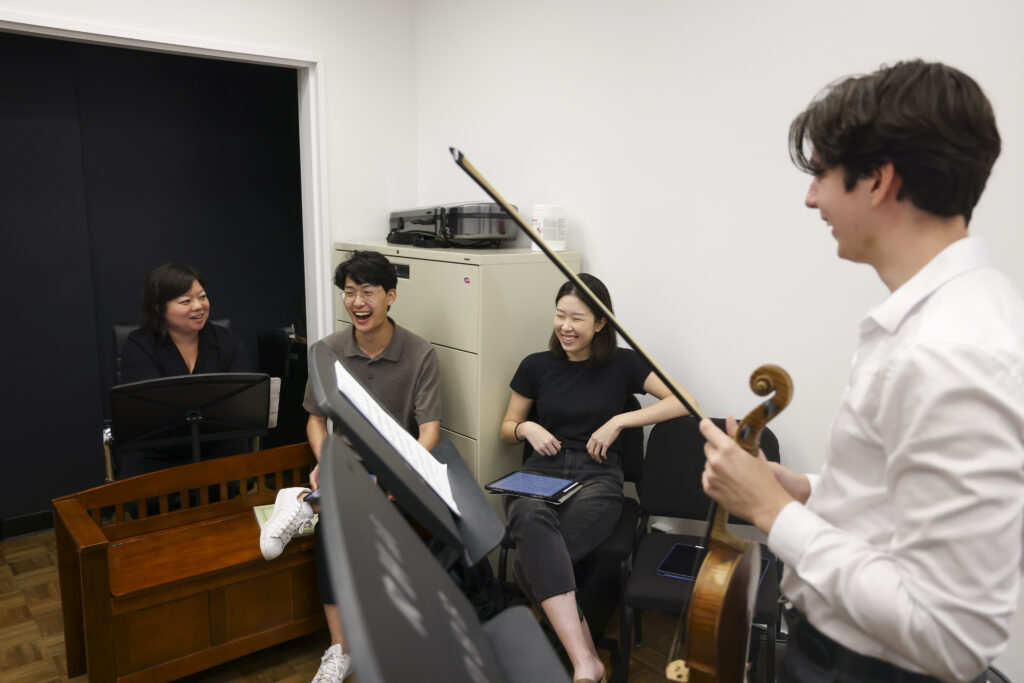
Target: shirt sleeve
[(942, 590), (428, 389), (637, 371), (523, 381), (309, 401)]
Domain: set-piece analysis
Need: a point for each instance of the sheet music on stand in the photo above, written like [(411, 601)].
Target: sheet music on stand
[(434, 473)]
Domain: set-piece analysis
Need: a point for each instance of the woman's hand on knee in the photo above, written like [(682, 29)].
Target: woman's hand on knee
[(541, 440)]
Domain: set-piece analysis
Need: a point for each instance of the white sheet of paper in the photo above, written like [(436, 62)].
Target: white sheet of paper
[(419, 458)]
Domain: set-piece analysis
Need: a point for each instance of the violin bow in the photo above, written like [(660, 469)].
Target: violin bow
[(676, 390), (677, 669)]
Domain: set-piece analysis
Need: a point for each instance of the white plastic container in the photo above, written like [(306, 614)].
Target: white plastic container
[(548, 220)]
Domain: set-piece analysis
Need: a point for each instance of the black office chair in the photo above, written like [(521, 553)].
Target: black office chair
[(120, 336), (597, 603), (671, 487)]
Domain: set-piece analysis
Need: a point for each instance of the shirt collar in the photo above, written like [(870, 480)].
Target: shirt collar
[(207, 337), (956, 259), (392, 352)]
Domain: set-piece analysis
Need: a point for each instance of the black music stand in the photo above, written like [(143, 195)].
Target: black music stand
[(473, 534), (404, 617), (190, 409)]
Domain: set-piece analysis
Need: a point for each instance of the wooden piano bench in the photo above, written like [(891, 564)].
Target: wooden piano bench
[(157, 591)]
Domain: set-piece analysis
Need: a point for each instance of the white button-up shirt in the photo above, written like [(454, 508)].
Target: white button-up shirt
[(909, 548)]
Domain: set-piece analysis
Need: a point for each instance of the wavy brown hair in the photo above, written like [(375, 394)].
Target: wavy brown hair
[(930, 120)]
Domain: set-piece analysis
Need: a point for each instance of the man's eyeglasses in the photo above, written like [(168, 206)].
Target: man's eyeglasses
[(366, 293)]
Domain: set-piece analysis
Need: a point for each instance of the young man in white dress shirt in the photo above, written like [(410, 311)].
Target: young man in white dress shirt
[(903, 556)]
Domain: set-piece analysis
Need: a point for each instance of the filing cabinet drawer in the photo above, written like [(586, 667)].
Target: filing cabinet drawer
[(467, 449), (460, 387)]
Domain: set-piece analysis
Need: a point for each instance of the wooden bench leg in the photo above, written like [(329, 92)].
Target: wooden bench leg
[(69, 573), (97, 617)]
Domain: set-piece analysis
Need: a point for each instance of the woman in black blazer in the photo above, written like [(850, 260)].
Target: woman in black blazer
[(176, 337)]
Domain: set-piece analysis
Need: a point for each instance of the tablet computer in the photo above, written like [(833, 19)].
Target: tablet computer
[(551, 489)]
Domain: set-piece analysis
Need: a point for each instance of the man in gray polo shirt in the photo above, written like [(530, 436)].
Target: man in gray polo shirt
[(397, 367), (400, 370)]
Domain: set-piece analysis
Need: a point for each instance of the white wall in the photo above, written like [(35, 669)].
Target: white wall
[(661, 125)]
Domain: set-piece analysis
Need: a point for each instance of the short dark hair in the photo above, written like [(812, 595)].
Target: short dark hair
[(166, 282), (366, 268), (930, 120), (605, 341)]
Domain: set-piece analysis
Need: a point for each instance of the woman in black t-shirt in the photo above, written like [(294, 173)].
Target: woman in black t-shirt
[(577, 389)]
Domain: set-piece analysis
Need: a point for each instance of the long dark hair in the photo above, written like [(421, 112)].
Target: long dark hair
[(166, 282), (605, 342)]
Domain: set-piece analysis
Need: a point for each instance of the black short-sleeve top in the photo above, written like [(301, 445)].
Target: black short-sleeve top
[(147, 356), (571, 398)]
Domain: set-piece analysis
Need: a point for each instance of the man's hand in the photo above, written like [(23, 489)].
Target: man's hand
[(743, 484)]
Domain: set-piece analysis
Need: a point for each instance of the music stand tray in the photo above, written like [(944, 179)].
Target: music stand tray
[(190, 409)]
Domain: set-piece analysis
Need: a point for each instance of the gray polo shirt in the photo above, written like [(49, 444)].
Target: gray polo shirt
[(403, 377)]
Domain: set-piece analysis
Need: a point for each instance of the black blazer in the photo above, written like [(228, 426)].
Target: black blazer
[(147, 356)]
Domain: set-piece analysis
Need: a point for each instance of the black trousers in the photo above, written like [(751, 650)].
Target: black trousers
[(551, 539), (813, 657)]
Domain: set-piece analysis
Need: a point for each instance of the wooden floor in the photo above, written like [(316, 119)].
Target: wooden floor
[(32, 635)]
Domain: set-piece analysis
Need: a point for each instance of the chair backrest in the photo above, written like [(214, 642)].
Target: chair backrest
[(630, 444), (671, 482), (121, 332)]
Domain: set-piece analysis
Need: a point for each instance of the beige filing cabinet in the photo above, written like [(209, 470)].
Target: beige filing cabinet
[(484, 310)]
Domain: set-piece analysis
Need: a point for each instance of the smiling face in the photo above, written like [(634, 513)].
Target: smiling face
[(575, 327), (185, 315), (846, 212), (367, 305)]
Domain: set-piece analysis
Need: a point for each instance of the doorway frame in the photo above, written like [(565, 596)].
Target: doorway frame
[(310, 81)]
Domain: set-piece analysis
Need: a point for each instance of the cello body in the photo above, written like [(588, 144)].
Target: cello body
[(721, 608), (720, 613)]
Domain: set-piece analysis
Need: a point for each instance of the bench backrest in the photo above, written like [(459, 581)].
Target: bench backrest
[(121, 508)]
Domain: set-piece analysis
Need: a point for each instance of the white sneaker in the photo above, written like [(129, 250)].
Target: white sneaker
[(288, 517), (334, 666)]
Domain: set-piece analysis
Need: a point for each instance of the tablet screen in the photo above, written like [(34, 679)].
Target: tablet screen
[(532, 484)]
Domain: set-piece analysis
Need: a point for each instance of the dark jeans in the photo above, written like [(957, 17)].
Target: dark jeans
[(323, 574), (549, 538), (813, 657)]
